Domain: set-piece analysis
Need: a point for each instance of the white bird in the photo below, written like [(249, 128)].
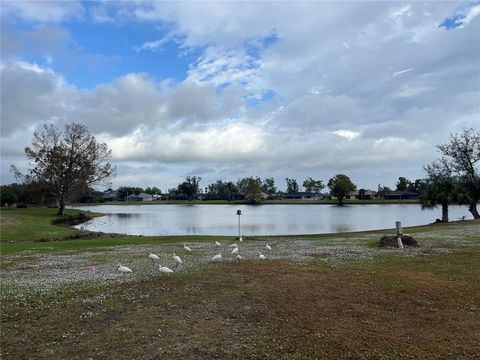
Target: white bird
[(124, 269), (153, 256), (217, 257), (186, 247), (238, 257), (177, 259), (217, 243), (234, 245), (268, 247), (164, 269), (261, 256), (235, 250), (240, 239)]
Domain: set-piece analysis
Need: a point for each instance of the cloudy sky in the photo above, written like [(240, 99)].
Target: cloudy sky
[(224, 90)]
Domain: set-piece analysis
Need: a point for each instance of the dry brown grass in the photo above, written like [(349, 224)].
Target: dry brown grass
[(259, 310)]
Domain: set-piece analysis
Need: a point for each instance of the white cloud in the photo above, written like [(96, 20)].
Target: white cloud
[(347, 134), (354, 86), (43, 11)]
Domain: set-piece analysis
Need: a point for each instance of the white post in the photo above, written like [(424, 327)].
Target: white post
[(239, 213), (398, 225)]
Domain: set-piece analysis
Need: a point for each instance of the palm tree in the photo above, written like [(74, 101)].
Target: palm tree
[(441, 189)]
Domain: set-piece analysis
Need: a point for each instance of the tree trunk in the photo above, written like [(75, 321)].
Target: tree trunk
[(61, 206), (340, 201), (445, 212), (473, 209)]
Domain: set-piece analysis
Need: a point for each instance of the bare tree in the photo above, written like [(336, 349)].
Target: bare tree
[(68, 161)]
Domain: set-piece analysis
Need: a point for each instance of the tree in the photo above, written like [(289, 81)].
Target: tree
[(314, 186), (340, 185), (268, 187), (190, 187), (124, 191), (68, 162), (402, 184), (461, 155), (251, 187), (221, 190), (441, 188), (292, 185)]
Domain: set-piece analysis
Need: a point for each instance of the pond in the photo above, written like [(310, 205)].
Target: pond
[(257, 220)]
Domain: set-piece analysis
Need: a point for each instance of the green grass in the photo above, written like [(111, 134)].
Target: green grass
[(32, 224)]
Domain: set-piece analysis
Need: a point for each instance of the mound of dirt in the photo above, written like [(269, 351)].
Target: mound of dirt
[(71, 220), (391, 241)]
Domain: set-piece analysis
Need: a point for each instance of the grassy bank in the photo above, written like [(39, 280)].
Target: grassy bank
[(332, 296)]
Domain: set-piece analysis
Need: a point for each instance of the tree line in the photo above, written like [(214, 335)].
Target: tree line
[(66, 165)]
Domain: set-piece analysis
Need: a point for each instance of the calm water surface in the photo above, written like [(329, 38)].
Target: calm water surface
[(257, 220)]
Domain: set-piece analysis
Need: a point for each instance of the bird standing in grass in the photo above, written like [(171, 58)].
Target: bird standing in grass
[(234, 251), (164, 269), (153, 256), (261, 256), (124, 269), (187, 247), (177, 259), (238, 257), (217, 257), (234, 245), (268, 247), (217, 243), (240, 239)]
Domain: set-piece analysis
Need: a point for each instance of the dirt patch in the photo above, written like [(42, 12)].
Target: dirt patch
[(391, 241), (72, 220)]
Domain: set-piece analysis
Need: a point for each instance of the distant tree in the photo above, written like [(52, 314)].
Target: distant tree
[(441, 189), (153, 190), (416, 186), (124, 191), (268, 187), (68, 162), (292, 185), (221, 189), (190, 187), (340, 185), (402, 184), (383, 190), (461, 155), (251, 187), (314, 186)]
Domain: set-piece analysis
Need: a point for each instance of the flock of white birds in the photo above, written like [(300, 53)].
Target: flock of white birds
[(178, 261)]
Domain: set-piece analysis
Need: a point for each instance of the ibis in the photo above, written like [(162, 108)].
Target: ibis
[(153, 256), (187, 247), (235, 251), (177, 259), (164, 269), (268, 247), (217, 257), (124, 269), (261, 256)]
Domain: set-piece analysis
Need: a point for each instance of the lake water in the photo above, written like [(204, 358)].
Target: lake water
[(257, 220)]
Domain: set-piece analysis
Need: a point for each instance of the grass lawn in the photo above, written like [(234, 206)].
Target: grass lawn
[(372, 304), (32, 224)]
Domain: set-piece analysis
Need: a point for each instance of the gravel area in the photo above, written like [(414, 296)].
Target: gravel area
[(43, 272)]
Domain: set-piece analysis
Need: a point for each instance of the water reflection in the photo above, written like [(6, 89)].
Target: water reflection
[(256, 220)]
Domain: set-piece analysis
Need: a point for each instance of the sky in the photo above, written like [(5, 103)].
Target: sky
[(224, 90)]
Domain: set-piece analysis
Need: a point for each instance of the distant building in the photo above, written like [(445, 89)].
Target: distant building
[(109, 195), (362, 194), (139, 197), (303, 195), (401, 195)]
